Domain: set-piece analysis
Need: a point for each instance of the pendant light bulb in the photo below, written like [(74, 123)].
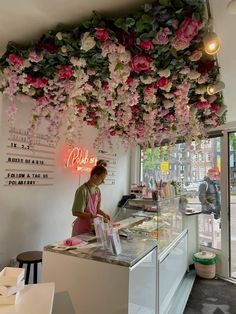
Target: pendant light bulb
[(231, 7), (211, 43), (215, 88)]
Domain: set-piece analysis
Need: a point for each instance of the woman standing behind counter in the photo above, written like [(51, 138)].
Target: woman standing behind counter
[(87, 202)]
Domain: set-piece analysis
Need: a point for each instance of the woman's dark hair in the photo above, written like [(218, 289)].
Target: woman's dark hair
[(98, 170), (101, 162)]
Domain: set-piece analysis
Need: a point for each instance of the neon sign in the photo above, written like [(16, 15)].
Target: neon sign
[(80, 160)]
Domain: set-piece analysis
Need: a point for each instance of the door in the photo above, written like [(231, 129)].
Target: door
[(232, 201)]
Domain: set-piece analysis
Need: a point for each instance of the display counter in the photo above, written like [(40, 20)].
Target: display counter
[(141, 279), (174, 282), (91, 280)]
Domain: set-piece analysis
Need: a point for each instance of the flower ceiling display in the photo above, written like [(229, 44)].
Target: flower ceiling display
[(142, 77)]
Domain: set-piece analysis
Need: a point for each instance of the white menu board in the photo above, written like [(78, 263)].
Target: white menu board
[(111, 159), (25, 165)]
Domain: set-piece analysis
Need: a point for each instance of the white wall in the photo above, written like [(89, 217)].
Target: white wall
[(31, 217)]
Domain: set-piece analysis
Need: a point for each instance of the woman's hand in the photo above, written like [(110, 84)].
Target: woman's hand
[(106, 217)]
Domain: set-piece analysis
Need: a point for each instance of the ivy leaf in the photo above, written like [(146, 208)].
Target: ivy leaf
[(130, 22), (120, 23), (146, 18), (119, 66), (165, 3), (174, 52)]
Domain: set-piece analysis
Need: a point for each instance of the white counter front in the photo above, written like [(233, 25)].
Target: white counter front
[(88, 286)]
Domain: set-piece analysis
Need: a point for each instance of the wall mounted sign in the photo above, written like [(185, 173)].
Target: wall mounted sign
[(79, 160), (25, 165), (111, 159)]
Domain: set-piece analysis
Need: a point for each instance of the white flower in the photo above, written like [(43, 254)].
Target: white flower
[(59, 36), (200, 90), (194, 75), (147, 80), (168, 104), (169, 95), (81, 62), (164, 73), (87, 42)]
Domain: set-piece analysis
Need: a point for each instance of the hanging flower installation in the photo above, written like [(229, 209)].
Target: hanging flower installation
[(142, 77)]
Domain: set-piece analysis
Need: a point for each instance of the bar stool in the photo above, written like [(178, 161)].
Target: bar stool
[(28, 258)]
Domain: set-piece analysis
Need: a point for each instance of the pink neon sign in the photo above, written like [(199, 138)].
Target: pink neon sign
[(80, 160)]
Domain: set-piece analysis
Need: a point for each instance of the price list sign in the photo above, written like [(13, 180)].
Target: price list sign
[(111, 159), (25, 165)]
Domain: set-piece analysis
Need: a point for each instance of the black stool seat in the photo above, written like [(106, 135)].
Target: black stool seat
[(28, 258)]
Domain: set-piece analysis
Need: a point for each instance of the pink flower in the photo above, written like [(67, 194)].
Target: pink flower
[(184, 70), (65, 71), (34, 56), (108, 103), (214, 115), (162, 36), (140, 63), (101, 34), (146, 45), (195, 56), (15, 60), (91, 72), (162, 82), (169, 117), (186, 32), (42, 101), (201, 105), (215, 107)]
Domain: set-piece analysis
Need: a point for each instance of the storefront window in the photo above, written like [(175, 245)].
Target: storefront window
[(197, 176)]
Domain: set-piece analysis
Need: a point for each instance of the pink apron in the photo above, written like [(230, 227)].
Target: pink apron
[(84, 225)]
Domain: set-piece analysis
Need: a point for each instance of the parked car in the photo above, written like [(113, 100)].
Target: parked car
[(191, 186)]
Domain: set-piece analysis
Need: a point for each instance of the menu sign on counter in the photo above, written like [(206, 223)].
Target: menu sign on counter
[(111, 159), (26, 165)]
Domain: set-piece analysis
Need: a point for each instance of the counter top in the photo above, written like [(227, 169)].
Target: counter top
[(132, 252)]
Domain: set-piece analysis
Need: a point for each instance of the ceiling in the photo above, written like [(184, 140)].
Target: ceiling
[(23, 21)]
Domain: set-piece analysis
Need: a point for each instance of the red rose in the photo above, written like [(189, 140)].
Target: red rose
[(93, 115), (36, 82), (146, 45), (125, 39), (65, 71), (112, 133), (148, 89), (129, 80), (201, 105), (134, 110), (39, 82), (105, 85), (162, 82), (15, 60), (215, 107), (91, 123), (140, 63), (101, 34)]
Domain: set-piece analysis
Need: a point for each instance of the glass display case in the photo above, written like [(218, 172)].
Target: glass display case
[(146, 218)]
